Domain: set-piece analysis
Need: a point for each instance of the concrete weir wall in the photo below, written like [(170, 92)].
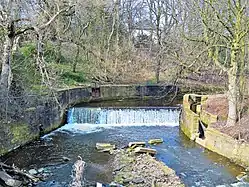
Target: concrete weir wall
[(195, 123), (45, 114)]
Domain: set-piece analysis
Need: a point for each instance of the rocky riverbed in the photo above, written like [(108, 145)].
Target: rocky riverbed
[(142, 170)]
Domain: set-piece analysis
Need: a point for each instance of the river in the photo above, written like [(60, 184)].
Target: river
[(86, 126)]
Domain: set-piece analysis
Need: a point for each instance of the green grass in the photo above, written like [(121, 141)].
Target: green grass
[(71, 78), (66, 77)]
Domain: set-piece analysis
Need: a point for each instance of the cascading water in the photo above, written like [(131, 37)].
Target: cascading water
[(124, 116)]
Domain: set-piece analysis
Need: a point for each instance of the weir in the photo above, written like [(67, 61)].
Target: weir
[(125, 116)]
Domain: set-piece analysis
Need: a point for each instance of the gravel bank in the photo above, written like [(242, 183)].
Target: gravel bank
[(142, 170)]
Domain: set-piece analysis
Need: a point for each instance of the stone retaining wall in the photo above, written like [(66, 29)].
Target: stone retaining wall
[(44, 114), (214, 140)]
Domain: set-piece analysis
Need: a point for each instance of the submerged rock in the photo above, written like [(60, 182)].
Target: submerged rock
[(41, 170), (105, 150), (33, 172), (104, 146), (65, 159), (136, 144), (145, 150), (155, 141)]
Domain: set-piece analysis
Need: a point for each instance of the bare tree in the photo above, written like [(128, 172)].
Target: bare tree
[(16, 19), (163, 15), (225, 27)]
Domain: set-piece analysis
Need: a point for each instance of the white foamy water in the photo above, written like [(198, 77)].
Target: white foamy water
[(90, 128), (90, 120), (104, 117)]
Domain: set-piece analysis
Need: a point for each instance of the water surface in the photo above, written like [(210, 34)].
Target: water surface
[(87, 126)]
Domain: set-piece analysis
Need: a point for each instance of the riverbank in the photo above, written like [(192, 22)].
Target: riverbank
[(142, 170), (218, 105), (203, 121)]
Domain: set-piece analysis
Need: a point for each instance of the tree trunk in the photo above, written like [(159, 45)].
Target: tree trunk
[(6, 75), (76, 59), (232, 84), (58, 55), (40, 62), (158, 68), (117, 33), (232, 98), (159, 38)]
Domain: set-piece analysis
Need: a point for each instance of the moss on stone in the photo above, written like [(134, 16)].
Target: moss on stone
[(20, 133), (207, 117), (185, 130), (226, 146), (190, 122), (198, 109), (3, 151), (204, 99)]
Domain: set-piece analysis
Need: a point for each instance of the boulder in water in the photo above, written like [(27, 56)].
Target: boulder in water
[(104, 146), (41, 170), (33, 172), (145, 150), (106, 151), (136, 144), (65, 159), (155, 141)]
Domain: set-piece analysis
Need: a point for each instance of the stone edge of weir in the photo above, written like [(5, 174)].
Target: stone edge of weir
[(48, 112), (196, 124)]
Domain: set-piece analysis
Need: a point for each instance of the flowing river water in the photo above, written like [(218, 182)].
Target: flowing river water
[(119, 125)]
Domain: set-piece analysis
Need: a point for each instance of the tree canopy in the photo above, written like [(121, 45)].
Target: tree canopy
[(55, 44)]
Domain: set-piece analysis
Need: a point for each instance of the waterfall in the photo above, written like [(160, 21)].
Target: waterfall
[(124, 116)]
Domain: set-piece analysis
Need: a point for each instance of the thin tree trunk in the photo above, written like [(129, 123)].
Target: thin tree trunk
[(58, 55), (6, 74), (76, 59), (40, 62), (159, 38), (130, 21), (158, 68), (117, 33)]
